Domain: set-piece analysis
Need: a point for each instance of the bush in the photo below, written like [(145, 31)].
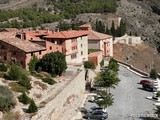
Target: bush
[(24, 98), (7, 101), (16, 73), (25, 81), (32, 63), (53, 63), (2, 75), (89, 65), (153, 74), (48, 80), (3, 68), (32, 107), (17, 87)]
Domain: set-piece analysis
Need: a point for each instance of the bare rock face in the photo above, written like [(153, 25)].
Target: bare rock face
[(142, 17)]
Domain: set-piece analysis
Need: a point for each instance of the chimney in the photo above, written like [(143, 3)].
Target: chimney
[(53, 31), (47, 30), (23, 36), (57, 29)]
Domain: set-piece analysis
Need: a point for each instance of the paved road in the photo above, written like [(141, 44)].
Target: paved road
[(129, 99)]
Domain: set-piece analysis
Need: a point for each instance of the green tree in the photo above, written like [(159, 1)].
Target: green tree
[(32, 107), (32, 64), (113, 65), (24, 98), (106, 101), (153, 74), (89, 65), (113, 30), (157, 111), (53, 63)]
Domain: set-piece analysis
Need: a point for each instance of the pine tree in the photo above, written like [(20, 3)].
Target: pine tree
[(113, 31), (24, 98), (32, 107)]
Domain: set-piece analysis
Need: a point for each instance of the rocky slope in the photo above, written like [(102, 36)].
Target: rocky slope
[(140, 17), (141, 56)]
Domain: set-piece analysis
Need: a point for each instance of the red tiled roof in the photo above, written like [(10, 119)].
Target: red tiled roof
[(11, 29), (7, 35), (23, 45), (93, 35), (67, 34), (94, 54)]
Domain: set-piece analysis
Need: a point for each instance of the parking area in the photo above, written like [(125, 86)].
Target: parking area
[(130, 101)]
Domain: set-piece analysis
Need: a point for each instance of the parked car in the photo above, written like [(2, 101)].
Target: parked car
[(148, 82), (149, 87), (94, 98), (98, 115)]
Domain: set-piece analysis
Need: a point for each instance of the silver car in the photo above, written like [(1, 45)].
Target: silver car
[(98, 115)]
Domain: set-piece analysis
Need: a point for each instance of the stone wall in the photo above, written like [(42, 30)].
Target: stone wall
[(65, 104)]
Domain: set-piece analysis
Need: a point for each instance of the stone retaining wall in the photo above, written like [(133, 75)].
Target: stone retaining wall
[(64, 105)]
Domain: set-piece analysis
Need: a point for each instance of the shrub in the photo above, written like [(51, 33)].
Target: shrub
[(48, 80), (89, 65), (32, 107), (25, 81), (153, 73), (53, 63), (32, 63), (2, 75), (7, 101), (16, 73), (24, 98), (17, 87), (3, 68)]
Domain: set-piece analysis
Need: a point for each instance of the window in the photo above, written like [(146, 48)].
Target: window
[(13, 61), (39, 52), (81, 45), (50, 48), (14, 53), (5, 58), (56, 47), (81, 52), (31, 54), (2, 47), (73, 56)]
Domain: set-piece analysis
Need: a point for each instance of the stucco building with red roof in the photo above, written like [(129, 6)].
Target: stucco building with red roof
[(74, 44), (98, 41), (18, 51), (19, 47)]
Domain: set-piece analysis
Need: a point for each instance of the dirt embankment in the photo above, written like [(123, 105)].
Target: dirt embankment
[(141, 56)]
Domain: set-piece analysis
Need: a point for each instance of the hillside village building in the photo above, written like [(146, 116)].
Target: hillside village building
[(19, 47), (98, 41)]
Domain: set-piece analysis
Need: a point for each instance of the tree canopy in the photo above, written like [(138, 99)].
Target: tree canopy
[(53, 63)]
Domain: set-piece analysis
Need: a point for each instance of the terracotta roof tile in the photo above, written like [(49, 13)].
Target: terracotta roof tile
[(67, 34), (94, 54), (97, 36), (7, 35), (23, 45)]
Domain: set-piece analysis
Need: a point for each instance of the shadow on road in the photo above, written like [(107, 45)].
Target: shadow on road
[(143, 89)]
